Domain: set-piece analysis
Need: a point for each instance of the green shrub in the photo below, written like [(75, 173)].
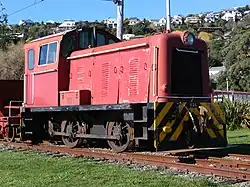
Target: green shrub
[(233, 112)]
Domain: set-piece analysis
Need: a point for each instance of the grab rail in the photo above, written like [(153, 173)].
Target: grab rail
[(11, 102)]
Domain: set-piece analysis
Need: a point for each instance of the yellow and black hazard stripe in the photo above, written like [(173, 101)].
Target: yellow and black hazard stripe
[(169, 118), (219, 124), (166, 124)]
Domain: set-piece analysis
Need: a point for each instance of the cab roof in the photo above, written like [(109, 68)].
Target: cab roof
[(52, 36)]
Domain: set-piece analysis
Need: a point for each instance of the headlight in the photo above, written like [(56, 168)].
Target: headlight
[(188, 38)]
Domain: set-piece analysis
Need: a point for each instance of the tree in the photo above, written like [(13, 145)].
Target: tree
[(215, 56), (4, 30), (237, 63), (12, 62)]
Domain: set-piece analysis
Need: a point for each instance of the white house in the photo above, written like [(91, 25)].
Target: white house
[(177, 20), (231, 15), (26, 22), (134, 21), (200, 15), (210, 18), (111, 22), (217, 15), (215, 71), (159, 22), (193, 20), (50, 22), (128, 36), (163, 21), (67, 24), (155, 22)]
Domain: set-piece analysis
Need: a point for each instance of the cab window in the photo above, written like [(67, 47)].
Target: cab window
[(111, 41), (52, 53), (86, 39), (100, 39), (31, 59), (48, 53), (68, 45)]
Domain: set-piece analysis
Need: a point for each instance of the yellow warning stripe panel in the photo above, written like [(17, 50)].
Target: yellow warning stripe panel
[(155, 144), (221, 131), (181, 107), (159, 117), (195, 111), (219, 111), (155, 122), (162, 114), (179, 129), (210, 113), (216, 123), (209, 131), (164, 134)]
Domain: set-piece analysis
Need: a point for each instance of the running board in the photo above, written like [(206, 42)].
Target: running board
[(91, 136)]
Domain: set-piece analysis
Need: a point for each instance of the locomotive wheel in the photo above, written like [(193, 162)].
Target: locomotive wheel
[(125, 131), (189, 139), (72, 128), (9, 134)]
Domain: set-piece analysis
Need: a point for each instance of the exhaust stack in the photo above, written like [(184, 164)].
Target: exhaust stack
[(168, 24)]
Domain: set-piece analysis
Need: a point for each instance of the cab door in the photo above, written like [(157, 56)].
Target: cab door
[(41, 75), (45, 76)]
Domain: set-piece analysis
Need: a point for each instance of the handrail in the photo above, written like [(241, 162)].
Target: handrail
[(11, 105), (177, 97), (108, 51)]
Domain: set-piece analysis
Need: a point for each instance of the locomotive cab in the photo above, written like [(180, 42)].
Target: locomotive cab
[(86, 38), (46, 61)]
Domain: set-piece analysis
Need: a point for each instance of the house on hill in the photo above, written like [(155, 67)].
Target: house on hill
[(27, 22), (67, 24), (134, 21), (111, 23), (231, 15)]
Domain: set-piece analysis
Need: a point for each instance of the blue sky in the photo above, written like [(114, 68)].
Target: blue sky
[(58, 10)]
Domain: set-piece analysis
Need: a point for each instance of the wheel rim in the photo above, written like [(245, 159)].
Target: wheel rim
[(123, 130), (9, 134), (190, 142), (73, 128)]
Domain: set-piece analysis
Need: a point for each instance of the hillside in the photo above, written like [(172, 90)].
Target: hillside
[(228, 42)]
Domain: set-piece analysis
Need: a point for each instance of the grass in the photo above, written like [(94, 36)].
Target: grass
[(241, 136), (31, 169)]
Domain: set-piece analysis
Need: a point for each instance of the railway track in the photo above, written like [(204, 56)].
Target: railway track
[(227, 167)]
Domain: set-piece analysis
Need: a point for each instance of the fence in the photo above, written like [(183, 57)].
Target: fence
[(219, 95)]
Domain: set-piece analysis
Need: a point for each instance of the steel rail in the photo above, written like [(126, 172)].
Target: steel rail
[(213, 166), (241, 156)]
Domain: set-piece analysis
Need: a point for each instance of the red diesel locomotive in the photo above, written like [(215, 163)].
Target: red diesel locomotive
[(86, 85)]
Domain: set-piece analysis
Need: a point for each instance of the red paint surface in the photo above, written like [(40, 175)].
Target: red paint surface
[(124, 76), (11, 90), (42, 88)]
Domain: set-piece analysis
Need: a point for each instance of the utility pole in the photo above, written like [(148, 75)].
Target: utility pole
[(227, 84), (168, 25), (120, 17)]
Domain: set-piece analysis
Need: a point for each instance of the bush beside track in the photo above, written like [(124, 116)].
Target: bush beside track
[(233, 111)]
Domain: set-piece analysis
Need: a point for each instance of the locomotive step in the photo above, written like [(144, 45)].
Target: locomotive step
[(28, 133), (15, 125), (92, 136)]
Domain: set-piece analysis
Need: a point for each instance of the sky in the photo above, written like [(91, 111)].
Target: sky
[(92, 10)]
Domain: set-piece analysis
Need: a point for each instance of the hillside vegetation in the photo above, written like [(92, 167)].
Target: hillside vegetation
[(228, 46)]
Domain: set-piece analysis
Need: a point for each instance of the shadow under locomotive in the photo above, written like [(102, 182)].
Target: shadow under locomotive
[(156, 126)]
